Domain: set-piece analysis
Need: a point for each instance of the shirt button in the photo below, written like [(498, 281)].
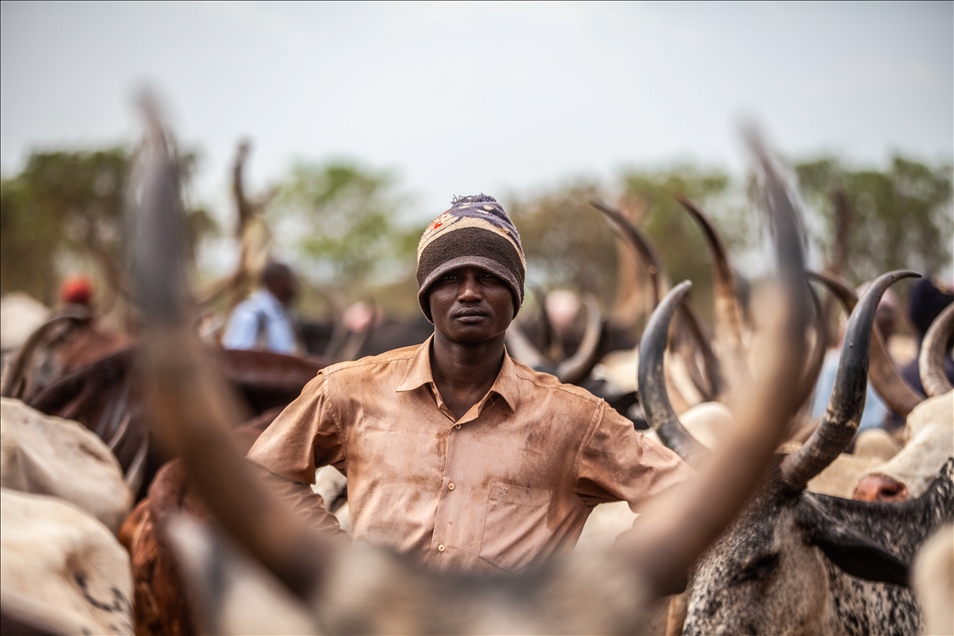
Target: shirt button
[(451, 486), (441, 547), (457, 426)]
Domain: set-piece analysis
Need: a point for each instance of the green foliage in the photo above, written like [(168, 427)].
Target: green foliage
[(897, 218), (679, 240), (343, 219), (570, 244), (566, 241), (69, 205)]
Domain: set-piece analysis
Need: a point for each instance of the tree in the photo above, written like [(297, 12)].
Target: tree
[(68, 205), (652, 194), (899, 218), (566, 241), (343, 219)]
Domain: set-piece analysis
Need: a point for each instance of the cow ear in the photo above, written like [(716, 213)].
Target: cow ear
[(859, 557), (854, 553)]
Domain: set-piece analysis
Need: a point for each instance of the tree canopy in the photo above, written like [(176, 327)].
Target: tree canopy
[(343, 220), (65, 209), (887, 219), (344, 225)]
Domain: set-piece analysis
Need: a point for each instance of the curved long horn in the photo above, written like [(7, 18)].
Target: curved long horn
[(716, 388), (934, 350), (544, 325), (841, 419), (728, 313), (13, 381), (652, 384), (882, 373), (522, 350), (643, 247), (574, 369), (816, 358), (189, 401), (695, 515)]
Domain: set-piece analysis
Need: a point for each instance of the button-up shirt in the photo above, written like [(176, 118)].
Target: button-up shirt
[(509, 483)]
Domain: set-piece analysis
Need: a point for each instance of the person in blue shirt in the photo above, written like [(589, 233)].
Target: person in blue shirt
[(261, 321), (876, 413)]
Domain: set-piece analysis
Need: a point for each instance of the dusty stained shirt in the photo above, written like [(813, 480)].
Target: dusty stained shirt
[(509, 483)]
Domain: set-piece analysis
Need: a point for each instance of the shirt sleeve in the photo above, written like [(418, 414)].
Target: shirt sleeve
[(305, 436), (618, 463), (307, 504)]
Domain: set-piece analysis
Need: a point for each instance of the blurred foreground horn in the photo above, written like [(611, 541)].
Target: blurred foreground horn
[(187, 400)]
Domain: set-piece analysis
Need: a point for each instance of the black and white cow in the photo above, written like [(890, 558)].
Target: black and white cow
[(796, 562)]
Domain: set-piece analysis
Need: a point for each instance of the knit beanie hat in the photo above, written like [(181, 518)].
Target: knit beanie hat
[(475, 231)]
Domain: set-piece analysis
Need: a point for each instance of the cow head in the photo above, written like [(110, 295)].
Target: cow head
[(767, 573), (929, 442)]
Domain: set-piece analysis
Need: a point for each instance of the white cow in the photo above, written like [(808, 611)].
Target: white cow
[(61, 570), (20, 315), (929, 441), (52, 456)]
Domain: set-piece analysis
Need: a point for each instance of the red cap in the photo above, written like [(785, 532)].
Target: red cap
[(76, 290)]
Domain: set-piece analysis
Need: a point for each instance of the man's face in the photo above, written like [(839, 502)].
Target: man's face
[(470, 305)]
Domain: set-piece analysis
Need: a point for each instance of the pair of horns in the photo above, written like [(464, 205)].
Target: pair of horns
[(841, 419)]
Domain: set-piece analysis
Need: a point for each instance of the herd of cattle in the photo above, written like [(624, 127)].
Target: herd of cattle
[(126, 506)]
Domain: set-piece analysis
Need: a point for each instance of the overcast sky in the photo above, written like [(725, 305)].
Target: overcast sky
[(461, 98)]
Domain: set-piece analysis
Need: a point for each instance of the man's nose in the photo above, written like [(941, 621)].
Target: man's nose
[(469, 290)]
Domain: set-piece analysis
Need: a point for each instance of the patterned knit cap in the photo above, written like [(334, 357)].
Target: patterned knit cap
[(475, 231)]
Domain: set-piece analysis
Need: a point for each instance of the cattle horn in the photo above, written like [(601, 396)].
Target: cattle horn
[(652, 384), (659, 282), (841, 419), (520, 347), (671, 543), (882, 373), (728, 313), (15, 383), (575, 368), (934, 350), (816, 359), (716, 384), (190, 403), (643, 247)]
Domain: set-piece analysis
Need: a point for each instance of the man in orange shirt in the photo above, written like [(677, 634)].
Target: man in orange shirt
[(456, 454)]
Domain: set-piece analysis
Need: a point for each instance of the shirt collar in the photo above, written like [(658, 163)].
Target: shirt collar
[(419, 373)]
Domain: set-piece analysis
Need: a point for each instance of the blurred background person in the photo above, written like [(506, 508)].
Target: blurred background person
[(876, 413), (262, 321), (88, 340), (927, 302)]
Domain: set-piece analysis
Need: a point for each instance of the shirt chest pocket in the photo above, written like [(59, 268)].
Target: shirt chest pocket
[(515, 526)]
